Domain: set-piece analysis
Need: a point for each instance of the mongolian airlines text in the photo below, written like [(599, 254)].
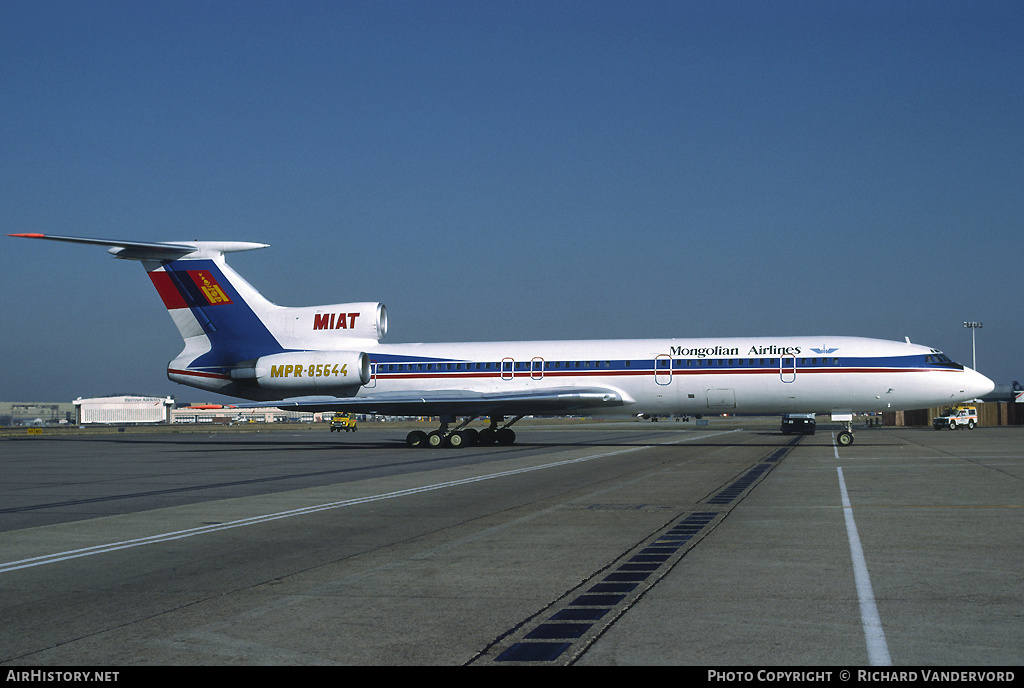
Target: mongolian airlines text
[(721, 351)]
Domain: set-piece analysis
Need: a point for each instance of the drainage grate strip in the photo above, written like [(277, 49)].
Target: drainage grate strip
[(731, 492), (579, 618), (582, 615)]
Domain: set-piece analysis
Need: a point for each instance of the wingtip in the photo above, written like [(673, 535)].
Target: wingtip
[(29, 236)]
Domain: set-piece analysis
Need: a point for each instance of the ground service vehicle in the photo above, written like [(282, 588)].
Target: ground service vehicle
[(343, 421), (956, 417), (803, 423)]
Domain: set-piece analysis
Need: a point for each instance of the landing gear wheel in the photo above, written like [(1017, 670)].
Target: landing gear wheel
[(844, 438), (506, 436), (435, 439), (416, 438), (456, 440), (486, 437)]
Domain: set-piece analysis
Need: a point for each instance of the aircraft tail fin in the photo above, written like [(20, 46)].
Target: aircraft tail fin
[(225, 322)]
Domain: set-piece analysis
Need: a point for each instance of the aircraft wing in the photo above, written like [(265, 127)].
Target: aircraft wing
[(558, 400)]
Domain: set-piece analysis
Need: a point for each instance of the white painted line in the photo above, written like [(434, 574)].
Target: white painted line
[(264, 518), (874, 636)]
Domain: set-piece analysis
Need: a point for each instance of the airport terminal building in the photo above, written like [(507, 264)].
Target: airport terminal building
[(141, 410), (28, 413)]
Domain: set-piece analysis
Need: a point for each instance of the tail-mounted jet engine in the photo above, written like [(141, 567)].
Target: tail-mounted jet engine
[(306, 371)]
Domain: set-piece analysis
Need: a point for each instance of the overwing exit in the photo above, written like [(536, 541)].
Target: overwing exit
[(331, 358)]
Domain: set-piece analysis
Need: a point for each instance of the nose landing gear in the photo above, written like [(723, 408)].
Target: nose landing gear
[(845, 437)]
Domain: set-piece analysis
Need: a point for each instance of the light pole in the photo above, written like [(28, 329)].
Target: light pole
[(974, 351)]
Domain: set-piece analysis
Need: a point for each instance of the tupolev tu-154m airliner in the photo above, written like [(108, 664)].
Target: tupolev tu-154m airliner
[(329, 358)]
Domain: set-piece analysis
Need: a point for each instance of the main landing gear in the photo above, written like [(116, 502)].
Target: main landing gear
[(461, 437)]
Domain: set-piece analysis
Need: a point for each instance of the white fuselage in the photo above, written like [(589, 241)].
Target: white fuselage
[(690, 376)]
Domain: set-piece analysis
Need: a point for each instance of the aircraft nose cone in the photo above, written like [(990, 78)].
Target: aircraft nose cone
[(977, 384)]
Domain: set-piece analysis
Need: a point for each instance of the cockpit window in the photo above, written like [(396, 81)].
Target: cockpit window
[(940, 359)]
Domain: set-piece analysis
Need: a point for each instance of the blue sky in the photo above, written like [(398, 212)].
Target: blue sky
[(515, 170)]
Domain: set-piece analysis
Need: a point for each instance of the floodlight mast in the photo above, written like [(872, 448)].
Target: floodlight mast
[(974, 351)]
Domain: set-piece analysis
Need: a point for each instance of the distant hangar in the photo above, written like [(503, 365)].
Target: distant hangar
[(125, 409)]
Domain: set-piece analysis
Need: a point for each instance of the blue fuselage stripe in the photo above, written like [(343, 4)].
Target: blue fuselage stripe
[(393, 366)]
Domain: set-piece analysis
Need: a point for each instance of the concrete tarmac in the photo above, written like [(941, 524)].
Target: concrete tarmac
[(584, 543)]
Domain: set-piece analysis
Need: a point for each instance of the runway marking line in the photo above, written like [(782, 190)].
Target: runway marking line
[(265, 518), (874, 636)]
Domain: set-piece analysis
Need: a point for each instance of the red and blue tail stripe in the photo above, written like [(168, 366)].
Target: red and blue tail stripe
[(235, 331)]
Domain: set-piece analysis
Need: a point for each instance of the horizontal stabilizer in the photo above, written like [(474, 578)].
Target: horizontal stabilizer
[(160, 251)]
